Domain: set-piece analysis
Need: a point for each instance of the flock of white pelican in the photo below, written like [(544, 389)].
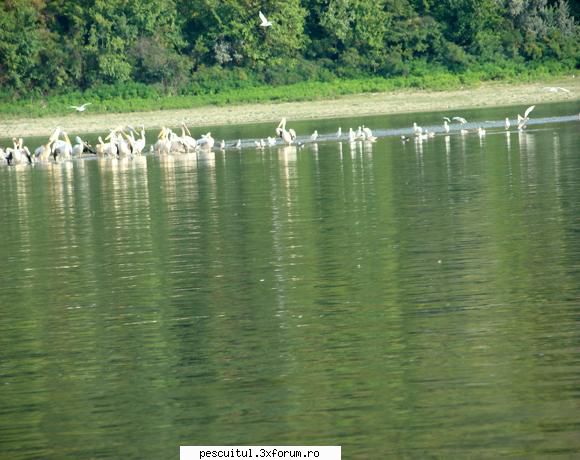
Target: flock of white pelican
[(126, 141)]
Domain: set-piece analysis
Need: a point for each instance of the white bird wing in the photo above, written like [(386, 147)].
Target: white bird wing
[(460, 120), (447, 119), (564, 90), (264, 19), (292, 133), (86, 104), (74, 107), (528, 111), (520, 118)]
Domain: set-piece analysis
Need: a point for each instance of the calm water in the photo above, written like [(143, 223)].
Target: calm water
[(417, 300)]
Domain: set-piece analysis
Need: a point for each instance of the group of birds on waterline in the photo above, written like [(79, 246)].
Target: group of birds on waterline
[(422, 134), (126, 141)]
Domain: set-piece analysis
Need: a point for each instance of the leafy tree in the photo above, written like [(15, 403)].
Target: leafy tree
[(204, 45)]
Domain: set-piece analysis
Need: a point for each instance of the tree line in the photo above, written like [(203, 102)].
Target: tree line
[(190, 46)]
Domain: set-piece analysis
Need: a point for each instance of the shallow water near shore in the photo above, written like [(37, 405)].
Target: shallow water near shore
[(401, 300)]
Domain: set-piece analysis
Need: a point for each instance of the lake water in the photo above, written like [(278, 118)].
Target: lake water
[(415, 300)]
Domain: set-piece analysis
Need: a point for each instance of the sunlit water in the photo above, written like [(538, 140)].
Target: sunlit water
[(415, 300)]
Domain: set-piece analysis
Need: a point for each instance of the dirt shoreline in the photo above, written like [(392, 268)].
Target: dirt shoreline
[(487, 95)]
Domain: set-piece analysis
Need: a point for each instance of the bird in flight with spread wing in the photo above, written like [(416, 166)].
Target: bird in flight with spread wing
[(80, 108), (264, 19)]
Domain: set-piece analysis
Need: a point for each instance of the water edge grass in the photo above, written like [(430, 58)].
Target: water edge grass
[(135, 97)]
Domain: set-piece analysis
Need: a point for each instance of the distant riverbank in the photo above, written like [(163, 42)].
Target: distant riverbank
[(488, 94)]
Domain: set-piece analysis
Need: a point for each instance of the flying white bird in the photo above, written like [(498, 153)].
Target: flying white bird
[(80, 108), (529, 110), (460, 120), (264, 19), (522, 121)]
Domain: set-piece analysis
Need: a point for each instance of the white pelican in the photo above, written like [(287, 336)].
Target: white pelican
[(27, 154), (351, 135), (187, 140), (206, 141), (80, 108), (507, 123), (62, 148), (42, 153), (417, 129), (260, 144), (238, 144), (139, 145), (314, 135), (223, 145), (447, 119), (446, 125), (124, 147), (78, 148), (286, 136), (481, 131), (271, 141), (265, 22), (368, 134), (339, 133), (19, 154), (106, 149)]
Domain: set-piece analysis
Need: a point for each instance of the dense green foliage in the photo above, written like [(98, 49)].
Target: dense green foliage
[(146, 48)]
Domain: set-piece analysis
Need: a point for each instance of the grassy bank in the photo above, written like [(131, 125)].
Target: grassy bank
[(215, 92), (488, 94)]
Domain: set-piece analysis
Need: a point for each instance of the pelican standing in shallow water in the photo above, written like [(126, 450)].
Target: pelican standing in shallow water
[(287, 136), (206, 141), (507, 123), (351, 135), (78, 148), (417, 129)]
